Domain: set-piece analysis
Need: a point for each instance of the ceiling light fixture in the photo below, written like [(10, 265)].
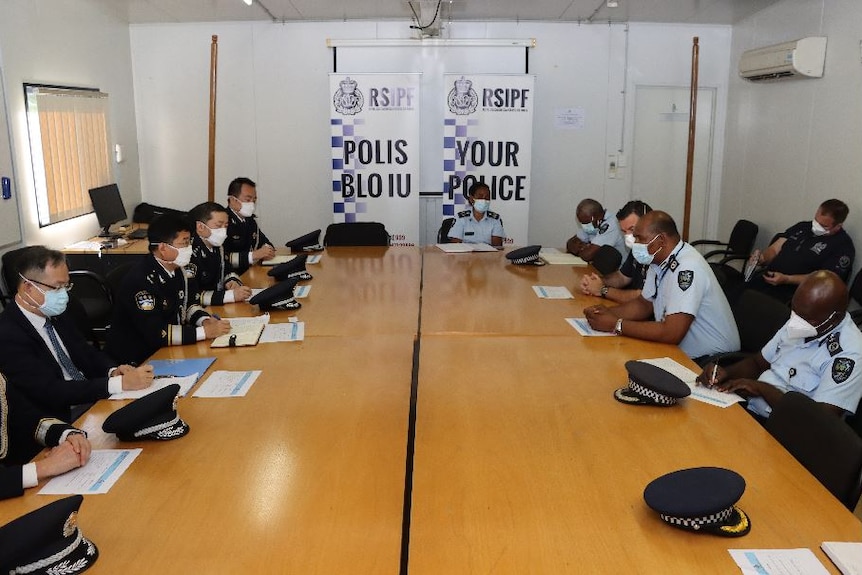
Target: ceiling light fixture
[(248, 2)]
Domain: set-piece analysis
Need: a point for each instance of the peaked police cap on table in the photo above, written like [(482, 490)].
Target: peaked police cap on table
[(526, 255), (309, 242), (47, 541), (153, 416), (700, 499), (278, 296), (295, 268), (651, 385)]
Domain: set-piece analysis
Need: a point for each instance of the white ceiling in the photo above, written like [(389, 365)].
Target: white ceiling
[(683, 11)]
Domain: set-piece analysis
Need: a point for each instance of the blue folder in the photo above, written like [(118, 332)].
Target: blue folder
[(181, 367)]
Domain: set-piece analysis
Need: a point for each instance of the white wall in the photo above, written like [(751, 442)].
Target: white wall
[(273, 109), (792, 144), (67, 42)]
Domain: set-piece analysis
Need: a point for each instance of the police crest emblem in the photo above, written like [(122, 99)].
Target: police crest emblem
[(462, 98), (348, 100), (842, 368), (684, 279), (145, 301)]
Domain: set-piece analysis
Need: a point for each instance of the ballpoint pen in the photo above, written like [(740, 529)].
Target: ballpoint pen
[(714, 375)]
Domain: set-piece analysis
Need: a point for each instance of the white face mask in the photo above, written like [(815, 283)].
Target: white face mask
[(817, 229), (630, 240), (217, 235), (247, 209), (184, 256), (798, 328)]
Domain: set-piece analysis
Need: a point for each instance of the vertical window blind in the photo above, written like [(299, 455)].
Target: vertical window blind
[(69, 148)]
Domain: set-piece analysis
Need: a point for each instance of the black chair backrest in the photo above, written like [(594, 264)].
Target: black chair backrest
[(94, 295), (742, 237), (10, 273), (758, 318), (356, 234), (145, 213), (856, 288), (443, 232), (115, 277), (607, 260), (821, 442)]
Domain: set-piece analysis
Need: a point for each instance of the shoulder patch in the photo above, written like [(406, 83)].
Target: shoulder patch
[(603, 228), (191, 271), (464, 214), (833, 346), (492, 215), (844, 262), (685, 279), (842, 368), (673, 263), (145, 301)]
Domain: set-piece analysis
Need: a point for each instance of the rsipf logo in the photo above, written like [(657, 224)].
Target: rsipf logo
[(348, 99), (463, 98)]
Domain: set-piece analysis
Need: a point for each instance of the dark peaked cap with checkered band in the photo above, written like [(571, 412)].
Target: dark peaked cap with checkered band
[(700, 499), (295, 268), (47, 541), (153, 416), (526, 255), (651, 385), (278, 296), (310, 242)]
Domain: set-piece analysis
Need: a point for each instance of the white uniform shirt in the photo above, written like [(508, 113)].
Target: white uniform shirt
[(472, 231), (826, 369), (609, 234), (684, 283)]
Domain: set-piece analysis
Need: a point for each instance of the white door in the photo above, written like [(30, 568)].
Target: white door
[(10, 226), (661, 150)]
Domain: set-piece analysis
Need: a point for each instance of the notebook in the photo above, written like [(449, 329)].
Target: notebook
[(847, 556), (240, 335)]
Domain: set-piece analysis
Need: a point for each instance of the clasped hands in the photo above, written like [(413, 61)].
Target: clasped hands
[(601, 318)]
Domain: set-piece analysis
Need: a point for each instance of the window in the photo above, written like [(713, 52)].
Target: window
[(69, 147)]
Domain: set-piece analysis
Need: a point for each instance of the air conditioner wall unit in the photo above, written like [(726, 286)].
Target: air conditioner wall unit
[(803, 58)]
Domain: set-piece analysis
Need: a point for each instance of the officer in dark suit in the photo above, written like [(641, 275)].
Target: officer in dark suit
[(43, 354), (214, 276), (21, 426), (246, 244), (157, 305)]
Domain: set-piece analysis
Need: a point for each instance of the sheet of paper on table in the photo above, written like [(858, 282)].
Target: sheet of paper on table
[(582, 326), (553, 292), (554, 256), (463, 248), (777, 562), (288, 331), (185, 383), (227, 384), (282, 259), (698, 392), (100, 473)]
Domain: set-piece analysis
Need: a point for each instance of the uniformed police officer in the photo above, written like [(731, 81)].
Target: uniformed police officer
[(625, 283), (21, 423), (818, 244), (817, 353), (246, 244), (156, 304), (680, 292), (595, 230), (478, 225), (217, 283)]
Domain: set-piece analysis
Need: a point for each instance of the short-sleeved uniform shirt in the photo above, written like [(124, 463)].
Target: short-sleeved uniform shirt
[(803, 252), (635, 271), (826, 369), (609, 234), (472, 231), (684, 283)]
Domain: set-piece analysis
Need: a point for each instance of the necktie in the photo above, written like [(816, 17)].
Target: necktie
[(62, 356)]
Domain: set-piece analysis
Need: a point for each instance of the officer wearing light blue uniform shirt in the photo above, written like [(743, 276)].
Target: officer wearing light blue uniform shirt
[(595, 230), (681, 301), (478, 224), (816, 353)]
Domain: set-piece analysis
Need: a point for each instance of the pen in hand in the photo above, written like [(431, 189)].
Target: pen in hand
[(714, 378)]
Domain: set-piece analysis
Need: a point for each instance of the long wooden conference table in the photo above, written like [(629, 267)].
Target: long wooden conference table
[(438, 418)]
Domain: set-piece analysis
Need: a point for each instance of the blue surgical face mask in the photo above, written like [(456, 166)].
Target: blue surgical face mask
[(589, 229), (481, 206), (640, 252), (56, 300)]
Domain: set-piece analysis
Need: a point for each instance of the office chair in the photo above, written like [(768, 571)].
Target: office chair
[(115, 277), (856, 295), (758, 318), (356, 234), (607, 260), (96, 300), (443, 232), (821, 442), (738, 246)]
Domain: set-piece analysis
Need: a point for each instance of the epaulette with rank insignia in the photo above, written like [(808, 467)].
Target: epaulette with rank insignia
[(493, 215), (465, 214)]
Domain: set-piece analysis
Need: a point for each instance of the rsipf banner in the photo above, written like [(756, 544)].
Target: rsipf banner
[(375, 151), (487, 135)]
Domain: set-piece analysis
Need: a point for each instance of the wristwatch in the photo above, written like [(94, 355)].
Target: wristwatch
[(604, 291), (618, 329)]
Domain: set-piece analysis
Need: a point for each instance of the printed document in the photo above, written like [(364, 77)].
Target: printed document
[(277, 260), (98, 476), (462, 248), (582, 326), (777, 562), (227, 384), (553, 292), (289, 331), (698, 392)]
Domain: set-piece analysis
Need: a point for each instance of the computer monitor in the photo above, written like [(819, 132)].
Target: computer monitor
[(109, 208)]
